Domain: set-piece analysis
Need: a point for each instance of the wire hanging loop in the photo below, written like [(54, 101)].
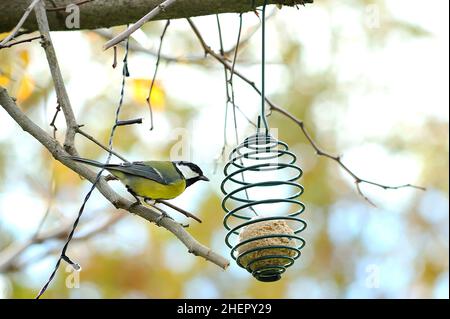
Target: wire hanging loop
[(262, 212), (263, 68)]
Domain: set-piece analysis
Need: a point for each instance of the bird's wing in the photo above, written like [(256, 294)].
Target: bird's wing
[(139, 169)]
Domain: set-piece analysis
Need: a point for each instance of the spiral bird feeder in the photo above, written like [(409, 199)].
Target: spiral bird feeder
[(262, 210)]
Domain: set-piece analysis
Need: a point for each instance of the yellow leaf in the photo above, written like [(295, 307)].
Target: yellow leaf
[(141, 88), (4, 35), (25, 57), (64, 176), (4, 80), (25, 89)]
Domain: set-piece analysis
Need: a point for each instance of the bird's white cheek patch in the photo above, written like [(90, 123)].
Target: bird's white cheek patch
[(187, 171)]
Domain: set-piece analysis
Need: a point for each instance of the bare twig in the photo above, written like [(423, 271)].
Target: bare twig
[(150, 91), (227, 94), (52, 123), (61, 93), (180, 210), (338, 159), (122, 36), (114, 65), (95, 141), (129, 122), (208, 51), (9, 257), (20, 24), (188, 59), (247, 36), (9, 45), (274, 107), (136, 47), (51, 196)]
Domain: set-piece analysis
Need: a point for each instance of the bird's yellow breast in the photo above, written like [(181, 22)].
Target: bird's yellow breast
[(150, 189)]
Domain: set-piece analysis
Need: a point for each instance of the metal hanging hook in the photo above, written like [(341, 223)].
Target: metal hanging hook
[(263, 68)]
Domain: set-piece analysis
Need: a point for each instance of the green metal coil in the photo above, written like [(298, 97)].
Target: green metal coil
[(262, 153)]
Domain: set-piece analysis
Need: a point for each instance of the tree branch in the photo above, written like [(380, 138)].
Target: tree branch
[(61, 93), (151, 215), (107, 13), (19, 25), (149, 16)]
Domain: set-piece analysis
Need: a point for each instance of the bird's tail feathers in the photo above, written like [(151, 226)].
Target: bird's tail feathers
[(86, 161)]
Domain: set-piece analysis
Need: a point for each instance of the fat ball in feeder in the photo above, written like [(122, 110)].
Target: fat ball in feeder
[(273, 249)]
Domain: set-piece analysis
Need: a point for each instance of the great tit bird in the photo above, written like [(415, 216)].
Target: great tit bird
[(154, 180)]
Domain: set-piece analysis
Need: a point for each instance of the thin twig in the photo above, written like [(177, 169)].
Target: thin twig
[(180, 210), (230, 80), (95, 141), (149, 103), (10, 256), (9, 45), (123, 35), (208, 51), (135, 46), (338, 159), (20, 24), (52, 123), (51, 197), (227, 100), (114, 57), (247, 36), (300, 123), (188, 59), (129, 122), (13, 251)]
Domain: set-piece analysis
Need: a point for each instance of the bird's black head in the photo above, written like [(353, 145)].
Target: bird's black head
[(191, 172)]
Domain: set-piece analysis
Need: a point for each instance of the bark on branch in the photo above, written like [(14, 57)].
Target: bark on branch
[(108, 13)]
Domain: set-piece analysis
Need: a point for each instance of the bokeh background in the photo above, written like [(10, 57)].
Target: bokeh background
[(370, 80)]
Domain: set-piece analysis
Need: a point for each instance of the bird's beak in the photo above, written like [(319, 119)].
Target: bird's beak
[(204, 178)]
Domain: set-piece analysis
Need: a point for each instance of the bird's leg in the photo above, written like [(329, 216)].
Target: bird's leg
[(153, 203), (163, 213), (138, 201), (150, 201), (110, 177)]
